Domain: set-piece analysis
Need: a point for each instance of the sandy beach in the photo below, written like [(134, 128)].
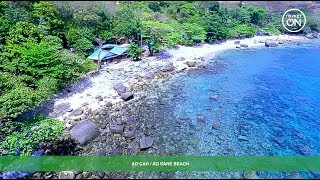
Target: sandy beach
[(96, 91)]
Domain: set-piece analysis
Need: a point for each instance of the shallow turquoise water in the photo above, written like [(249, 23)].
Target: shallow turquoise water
[(268, 96)]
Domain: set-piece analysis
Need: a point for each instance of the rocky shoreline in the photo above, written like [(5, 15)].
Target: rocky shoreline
[(123, 124)]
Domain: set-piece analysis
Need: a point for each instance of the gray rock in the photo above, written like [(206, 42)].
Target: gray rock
[(168, 67), (127, 96), (115, 128), (84, 132), (130, 120), (149, 75), (109, 104), (244, 45), (77, 112), (66, 175), (98, 97), (281, 42), (191, 63), (120, 88), (101, 153), (271, 43), (236, 42), (242, 138), (146, 142), (129, 134)]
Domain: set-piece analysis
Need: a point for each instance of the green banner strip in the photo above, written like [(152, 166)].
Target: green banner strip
[(159, 163)]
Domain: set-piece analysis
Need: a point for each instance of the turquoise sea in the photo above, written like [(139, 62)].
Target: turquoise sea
[(263, 101)]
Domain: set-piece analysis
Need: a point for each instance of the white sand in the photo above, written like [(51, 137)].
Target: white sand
[(125, 70)]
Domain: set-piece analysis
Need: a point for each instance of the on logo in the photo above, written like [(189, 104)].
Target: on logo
[(294, 20)]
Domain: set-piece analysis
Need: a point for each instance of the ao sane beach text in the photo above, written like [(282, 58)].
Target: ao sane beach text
[(160, 163)]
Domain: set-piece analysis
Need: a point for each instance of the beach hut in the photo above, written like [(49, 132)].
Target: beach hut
[(109, 52)]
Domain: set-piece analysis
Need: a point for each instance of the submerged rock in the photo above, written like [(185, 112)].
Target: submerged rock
[(242, 138), (127, 96), (216, 124), (250, 175), (146, 142), (271, 43), (84, 132), (201, 119), (214, 97), (15, 175)]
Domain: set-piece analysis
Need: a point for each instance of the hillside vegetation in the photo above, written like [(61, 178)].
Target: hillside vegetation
[(35, 60)]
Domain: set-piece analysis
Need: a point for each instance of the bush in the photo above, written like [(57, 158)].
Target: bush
[(83, 46), (134, 51), (242, 30), (271, 28), (18, 100), (23, 137)]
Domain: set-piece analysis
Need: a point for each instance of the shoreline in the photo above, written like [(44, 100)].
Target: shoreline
[(96, 90), (144, 123)]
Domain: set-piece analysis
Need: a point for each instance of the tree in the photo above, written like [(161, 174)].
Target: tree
[(156, 32), (47, 18), (194, 33), (125, 23)]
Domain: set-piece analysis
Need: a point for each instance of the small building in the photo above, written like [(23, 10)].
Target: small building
[(109, 52)]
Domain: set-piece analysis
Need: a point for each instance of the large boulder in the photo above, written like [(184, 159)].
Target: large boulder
[(271, 43), (127, 96), (168, 67), (84, 132), (120, 88)]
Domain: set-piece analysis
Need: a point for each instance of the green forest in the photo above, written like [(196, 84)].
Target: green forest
[(36, 37)]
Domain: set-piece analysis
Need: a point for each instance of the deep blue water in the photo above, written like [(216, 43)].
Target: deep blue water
[(270, 96)]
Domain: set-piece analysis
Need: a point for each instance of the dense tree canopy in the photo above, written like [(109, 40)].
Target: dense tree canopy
[(35, 37)]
